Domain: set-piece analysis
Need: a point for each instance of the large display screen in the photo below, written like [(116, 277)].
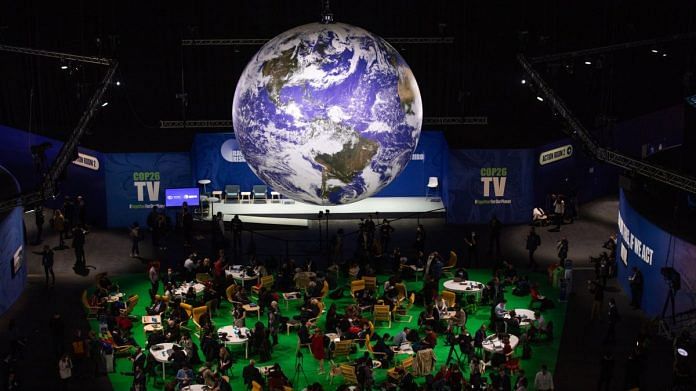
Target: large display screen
[(176, 197)]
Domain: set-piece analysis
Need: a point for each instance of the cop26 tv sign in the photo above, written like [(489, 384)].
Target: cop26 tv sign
[(135, 182)]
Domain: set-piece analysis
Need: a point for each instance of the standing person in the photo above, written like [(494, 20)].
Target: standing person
[(135, 235), (562, 247), (59, 226), (152, 219), (636, 282), (317, 348), (494, 227), (543, 381), (68, 215), (558, 211), (598, 302), (533, 242), (237, 227), (187, 224), (65, 371), (57, 328), (47, 263), (472, 249), (370, 231), (154, 279), (79, 247), (39, 220), (385, 233), (139, 379), (420, 238), (613, 317), (606, 372), (521, 383)]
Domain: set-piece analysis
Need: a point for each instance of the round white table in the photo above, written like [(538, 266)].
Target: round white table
[(161, 353), (526, 316), (182, 289), (463, 286), (236, 336), (494, 345), (204, 182), (241, 276)]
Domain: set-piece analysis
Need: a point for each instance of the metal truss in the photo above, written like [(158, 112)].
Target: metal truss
[(62, 56), (261, 41), (226, 123), (578, 131), (610, 48), (66, 152)]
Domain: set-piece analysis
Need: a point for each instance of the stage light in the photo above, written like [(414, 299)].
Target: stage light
[(105, 104), (118, 83), (63, 67), (588, 62), (664, 54), (655, 51), (682, 352), (540, 99), (524, 81)]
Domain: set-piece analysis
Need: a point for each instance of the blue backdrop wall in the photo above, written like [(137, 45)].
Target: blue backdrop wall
[(12, 275), (15, 155), (216, 156), (136, 181), (483, 183), (648, 247)]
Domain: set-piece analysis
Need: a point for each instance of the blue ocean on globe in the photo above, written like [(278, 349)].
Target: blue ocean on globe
[(327, 113)]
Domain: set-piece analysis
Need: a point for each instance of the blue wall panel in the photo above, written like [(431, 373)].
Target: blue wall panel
[(11, 240), (152, 173)]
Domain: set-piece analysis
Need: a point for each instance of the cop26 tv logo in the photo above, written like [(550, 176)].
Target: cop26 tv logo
[(149, 181), (495, 179)]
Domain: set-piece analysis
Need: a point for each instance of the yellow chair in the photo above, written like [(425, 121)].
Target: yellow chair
[(321, 306), (381, 313), (349, 375), (401, 293), (370, 283), (256, 386), (302, 282), (450, 298), (451, 263), (368, 347), (356, 286), (131, 303), (188, 308), (324, 290), (266, 282), (342, 349), (406, 365), (197, 313), (401, 315)]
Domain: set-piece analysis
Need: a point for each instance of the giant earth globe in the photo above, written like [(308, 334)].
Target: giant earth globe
[(327, 114)]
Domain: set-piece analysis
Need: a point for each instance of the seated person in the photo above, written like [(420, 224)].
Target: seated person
[(413, 336), (177, 358), (155, 337), (308, 312), (441, 307), (521, 287), (390, 292), (120, 339), (178, 314), (157, 308), (354, 271), (191, 296), (303, 334), (239, 315), (210, 344), (537, 327), (172, 332), (546, 303), (184, 376), (461, 274), (429, 340), (365, 298), (241, 296), (429, 318), (401, 337), (509, 274), (277, 379), (332, 319), (224, 360), (382, 347), (250, 374)]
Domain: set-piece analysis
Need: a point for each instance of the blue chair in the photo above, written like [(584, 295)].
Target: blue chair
[(260, 191), (232, 191)]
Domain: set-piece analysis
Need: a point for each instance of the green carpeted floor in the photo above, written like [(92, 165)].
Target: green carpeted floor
[(284, 352)]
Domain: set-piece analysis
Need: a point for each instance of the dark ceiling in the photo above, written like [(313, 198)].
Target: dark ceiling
[(477, 75)]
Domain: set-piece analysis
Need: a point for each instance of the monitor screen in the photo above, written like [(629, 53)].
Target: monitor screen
[(176, 197)]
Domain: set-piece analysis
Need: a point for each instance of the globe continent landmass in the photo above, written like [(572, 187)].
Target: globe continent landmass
[(327, 113)]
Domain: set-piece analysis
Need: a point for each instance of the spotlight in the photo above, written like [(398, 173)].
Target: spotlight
[(104, 104), (654, 51), (588, 62), (682, 352), (63, 67), (540, 99), (118, 83), (664, 54), (524, 81)]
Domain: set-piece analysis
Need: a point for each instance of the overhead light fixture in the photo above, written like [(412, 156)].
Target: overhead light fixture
[(654, 51), (63, 67), (664, 54), (588, 62), (524, 81), (682, 352), (540, 99), (105, 104), (118, 83)]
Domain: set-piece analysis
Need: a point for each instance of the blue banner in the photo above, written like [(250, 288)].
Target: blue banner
[(642, 244), (484, 183), (13, 271), (135, 182)]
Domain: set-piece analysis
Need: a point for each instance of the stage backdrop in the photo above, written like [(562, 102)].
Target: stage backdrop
[(84, 177), (648, 247), (13, 270), (216, 156), (484, 183), (135, 182)]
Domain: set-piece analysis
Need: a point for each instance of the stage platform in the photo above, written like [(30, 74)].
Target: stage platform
[(289, 212)]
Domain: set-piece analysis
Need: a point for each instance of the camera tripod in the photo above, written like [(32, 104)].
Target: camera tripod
[(299, 369), (453, 352)]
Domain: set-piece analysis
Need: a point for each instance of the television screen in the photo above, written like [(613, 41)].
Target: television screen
[(176, 197), (17, 261)]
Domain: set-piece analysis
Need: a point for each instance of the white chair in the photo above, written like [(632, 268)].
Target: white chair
[(433, 186)]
